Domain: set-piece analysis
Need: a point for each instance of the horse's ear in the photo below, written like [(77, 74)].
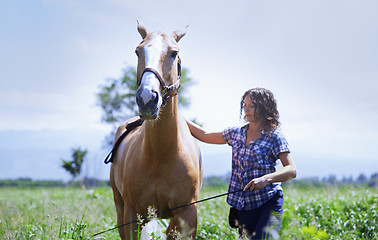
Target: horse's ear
[(142, 30), (177, 35)]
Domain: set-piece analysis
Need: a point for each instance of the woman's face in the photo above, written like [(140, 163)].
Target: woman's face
[(249, 109)]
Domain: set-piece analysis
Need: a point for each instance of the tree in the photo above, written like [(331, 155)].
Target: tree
[(362, 179), (117, 98), (373, 182), (74, 166)]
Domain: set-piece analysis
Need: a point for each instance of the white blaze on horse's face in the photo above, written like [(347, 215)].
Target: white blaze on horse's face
[(153, 51), (149, 98)]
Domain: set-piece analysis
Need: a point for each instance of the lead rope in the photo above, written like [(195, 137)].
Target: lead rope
[(186, 205)]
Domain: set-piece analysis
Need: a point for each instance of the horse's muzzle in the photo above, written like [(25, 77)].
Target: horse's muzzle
[(148, 103)]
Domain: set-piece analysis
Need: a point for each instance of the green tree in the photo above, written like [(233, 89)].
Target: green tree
[(117, 98), (74, 166)]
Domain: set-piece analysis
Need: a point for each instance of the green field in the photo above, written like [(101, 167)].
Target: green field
[(73, 213)]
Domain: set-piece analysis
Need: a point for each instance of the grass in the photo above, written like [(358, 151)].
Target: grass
[(55, 213), (74, 213), (331, 213)]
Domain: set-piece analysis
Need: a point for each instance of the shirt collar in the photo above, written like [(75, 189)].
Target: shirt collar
[(246, 126)]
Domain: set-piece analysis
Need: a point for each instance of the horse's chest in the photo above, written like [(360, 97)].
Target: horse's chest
[(157, 188), (151, 192)]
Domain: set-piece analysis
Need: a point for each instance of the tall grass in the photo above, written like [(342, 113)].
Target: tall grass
[(73, 213), (55, 213), (330, 213)]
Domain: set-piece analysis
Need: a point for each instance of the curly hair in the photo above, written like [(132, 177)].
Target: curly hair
[(265, 107)]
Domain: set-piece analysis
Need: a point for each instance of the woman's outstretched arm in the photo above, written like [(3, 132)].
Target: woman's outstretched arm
[(203, 136)]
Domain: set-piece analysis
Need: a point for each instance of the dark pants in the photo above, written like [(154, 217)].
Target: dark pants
[(263, 222)]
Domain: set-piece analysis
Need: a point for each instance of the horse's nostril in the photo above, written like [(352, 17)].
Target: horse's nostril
[(155, 97)]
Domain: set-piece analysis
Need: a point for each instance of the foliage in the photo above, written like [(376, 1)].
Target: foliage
[(27, 182), (216, 181), (361, 181), (117, 97), (74, 166), (330, 213), (331, 180), (327, 212), (210, 181)]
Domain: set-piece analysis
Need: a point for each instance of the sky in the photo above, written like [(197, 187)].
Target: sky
[(319, 58)]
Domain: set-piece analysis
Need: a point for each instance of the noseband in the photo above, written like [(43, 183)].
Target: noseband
[(167, 91)]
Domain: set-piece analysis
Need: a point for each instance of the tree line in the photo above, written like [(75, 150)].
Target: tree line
[(211, 181), (29, 183), (331, 180)]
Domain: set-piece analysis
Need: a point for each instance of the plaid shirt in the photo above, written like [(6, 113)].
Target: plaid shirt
[(255, 160)]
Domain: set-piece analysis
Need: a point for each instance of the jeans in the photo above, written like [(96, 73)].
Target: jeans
[(263, 222)]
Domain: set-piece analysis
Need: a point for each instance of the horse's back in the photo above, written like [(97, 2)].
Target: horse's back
[(122, 128)]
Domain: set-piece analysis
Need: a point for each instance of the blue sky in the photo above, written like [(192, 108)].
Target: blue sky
[(320, 59)]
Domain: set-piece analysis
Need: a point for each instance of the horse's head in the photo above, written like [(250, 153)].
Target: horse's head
[(158, 71)]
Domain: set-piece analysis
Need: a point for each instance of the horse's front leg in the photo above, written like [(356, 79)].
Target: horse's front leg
[(119, 203), (130, 231), (120, 211), (183, 225)]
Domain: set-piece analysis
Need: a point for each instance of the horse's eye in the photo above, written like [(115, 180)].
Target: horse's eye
[(174, 54), (136, 52)]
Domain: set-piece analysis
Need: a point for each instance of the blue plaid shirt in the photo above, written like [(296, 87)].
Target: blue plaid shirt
[(256, 159)]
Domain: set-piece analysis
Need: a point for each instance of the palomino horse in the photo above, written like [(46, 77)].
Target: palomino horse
[(158, 164)]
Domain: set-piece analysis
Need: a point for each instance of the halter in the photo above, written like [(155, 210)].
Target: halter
[(166, 90)]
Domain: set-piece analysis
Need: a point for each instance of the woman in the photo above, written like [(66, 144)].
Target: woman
[(256, 147)]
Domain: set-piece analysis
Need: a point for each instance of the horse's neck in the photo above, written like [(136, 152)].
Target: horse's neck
[(162, 134)]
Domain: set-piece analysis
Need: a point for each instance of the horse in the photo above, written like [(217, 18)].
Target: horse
[(158, 164)]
